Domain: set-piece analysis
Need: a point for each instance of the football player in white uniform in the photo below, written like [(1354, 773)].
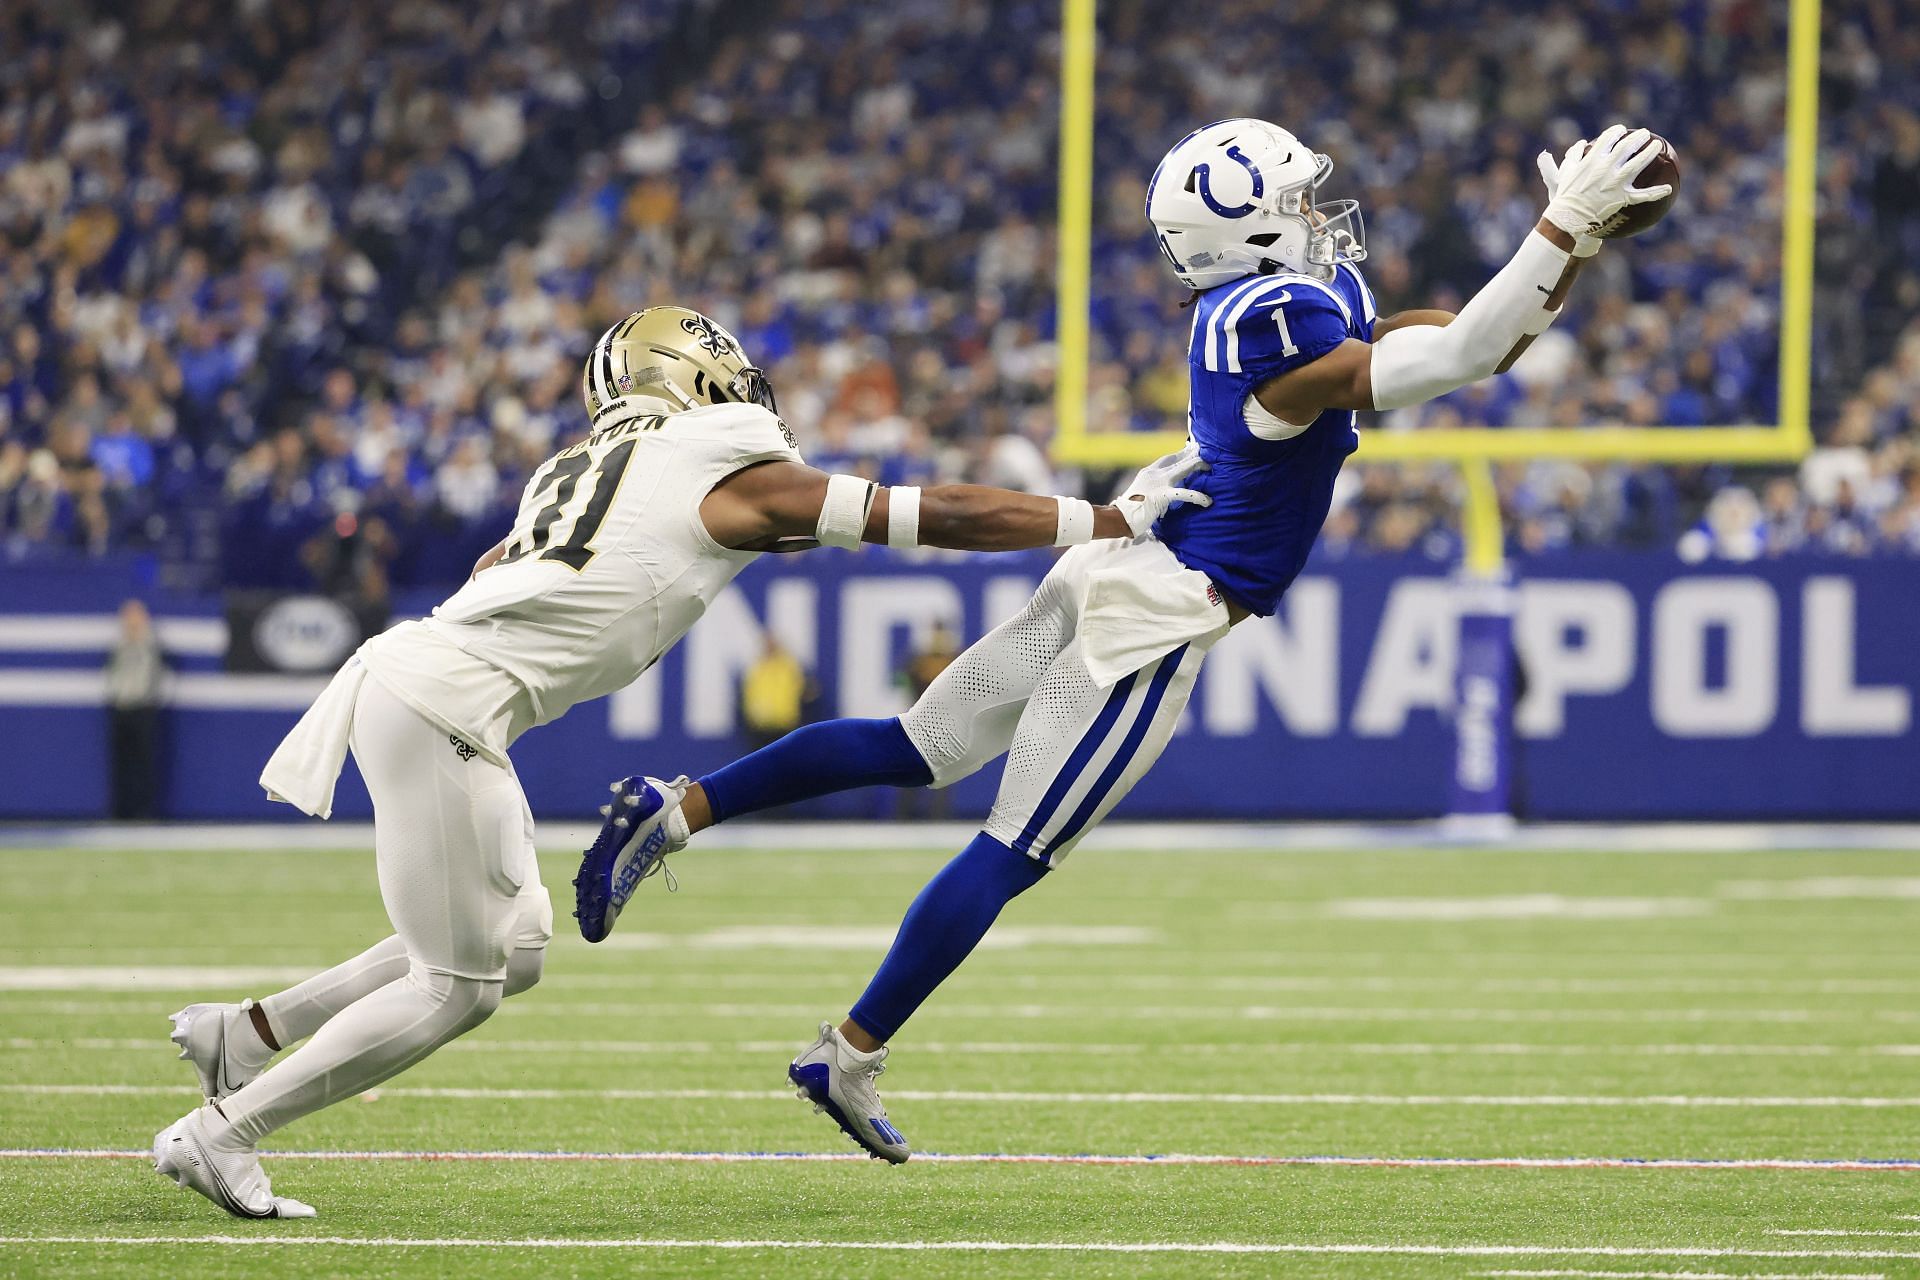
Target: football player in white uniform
[(1082, 689), (620, 544)]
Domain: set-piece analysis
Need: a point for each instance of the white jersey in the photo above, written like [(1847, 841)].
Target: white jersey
[(607, 566)]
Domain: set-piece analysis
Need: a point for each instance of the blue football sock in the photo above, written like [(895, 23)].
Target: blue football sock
[(941, 929), (817, 760)]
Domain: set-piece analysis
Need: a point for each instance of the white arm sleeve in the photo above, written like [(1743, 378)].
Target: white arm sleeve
[(1421, 362), (843, 516)]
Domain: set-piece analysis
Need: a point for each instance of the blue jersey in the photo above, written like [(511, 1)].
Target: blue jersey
[(1270, 494)]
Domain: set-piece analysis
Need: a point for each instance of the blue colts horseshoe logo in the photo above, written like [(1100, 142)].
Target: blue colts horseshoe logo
[(1206, 191)]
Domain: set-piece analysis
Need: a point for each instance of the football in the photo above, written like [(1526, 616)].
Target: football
[(1635, 218)]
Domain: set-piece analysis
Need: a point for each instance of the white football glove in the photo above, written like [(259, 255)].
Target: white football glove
[(1591, 186), (1584, 246), (1157, 487)]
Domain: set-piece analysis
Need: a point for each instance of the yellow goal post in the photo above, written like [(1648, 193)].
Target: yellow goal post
[(1076, 443)]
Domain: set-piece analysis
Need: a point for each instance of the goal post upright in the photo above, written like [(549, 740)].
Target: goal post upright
[(1080, 443), (1073, 296)]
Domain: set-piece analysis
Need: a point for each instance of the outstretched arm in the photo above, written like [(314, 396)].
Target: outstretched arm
[(779, 506), (1417, 360)]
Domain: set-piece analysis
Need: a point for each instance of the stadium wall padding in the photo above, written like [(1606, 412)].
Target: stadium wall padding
[(1649, 690)]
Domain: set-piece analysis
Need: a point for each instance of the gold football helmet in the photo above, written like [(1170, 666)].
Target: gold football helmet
[(674, 355)]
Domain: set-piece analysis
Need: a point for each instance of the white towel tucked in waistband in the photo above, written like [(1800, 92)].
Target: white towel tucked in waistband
[(1142, 608), (305, 766)]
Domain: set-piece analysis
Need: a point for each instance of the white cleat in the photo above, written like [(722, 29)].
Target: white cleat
[(838, 1080), (220, 1042), (231, 1179), (639, 832)]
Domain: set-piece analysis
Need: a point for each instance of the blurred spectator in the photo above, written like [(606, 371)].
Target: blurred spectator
[(929, 658), (135, 680), (1732, 529), (773, 695), (224, 227), (932, 655)]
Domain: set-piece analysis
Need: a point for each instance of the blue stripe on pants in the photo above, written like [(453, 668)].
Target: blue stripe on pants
[(1076, 764), (1149, 707)]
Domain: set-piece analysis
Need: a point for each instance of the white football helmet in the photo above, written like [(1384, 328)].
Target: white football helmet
[(1236, 199)]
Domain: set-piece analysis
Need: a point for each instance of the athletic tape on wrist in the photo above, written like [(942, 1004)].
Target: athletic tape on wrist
[(843, 516), (903, 516), (1076, 522)]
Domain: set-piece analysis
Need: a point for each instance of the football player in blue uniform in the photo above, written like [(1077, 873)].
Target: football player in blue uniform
[(1081, 690)]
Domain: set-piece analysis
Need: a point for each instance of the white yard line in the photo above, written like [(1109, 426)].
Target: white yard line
[(135, 976), (559, 1006), (1839, 1231), (1267, 982), (555, 1004), (923, 1157), (139, 977), (1519, 906), (1060, 1097), (1695, 1275), (873, 938), (1290, 1048), (997, 1246)]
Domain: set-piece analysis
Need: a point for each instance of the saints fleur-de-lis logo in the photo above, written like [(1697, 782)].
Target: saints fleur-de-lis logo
[(708, 334)]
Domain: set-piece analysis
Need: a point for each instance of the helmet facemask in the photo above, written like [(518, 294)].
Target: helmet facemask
[(752, 386), (1335, 231)]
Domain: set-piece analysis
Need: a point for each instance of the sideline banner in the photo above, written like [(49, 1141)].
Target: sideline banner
[(1640, 688)]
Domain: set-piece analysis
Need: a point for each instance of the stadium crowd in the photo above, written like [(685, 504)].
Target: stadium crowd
[(246, 318)]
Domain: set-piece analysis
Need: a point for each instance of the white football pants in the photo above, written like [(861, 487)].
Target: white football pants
[(453, 842), (1074, 749)]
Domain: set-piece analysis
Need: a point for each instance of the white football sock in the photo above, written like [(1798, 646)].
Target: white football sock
[(243, 1040), (298, 1012), (367, 1042)]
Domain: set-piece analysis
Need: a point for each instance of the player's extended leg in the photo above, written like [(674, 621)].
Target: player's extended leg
[(1078, 749), (229, 1044), (966, 717), (451, 843)]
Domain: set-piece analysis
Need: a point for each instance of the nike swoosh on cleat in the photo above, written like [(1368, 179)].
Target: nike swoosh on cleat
[(231, 1203)]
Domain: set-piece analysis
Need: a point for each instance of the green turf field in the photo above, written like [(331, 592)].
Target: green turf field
[(1393, 1006)]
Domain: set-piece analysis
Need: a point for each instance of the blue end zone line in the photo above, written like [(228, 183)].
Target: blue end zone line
[(1171, 1159), (564, 839)]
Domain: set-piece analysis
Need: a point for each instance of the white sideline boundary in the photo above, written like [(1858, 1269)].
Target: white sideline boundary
[(1175, 1160), (1001, 1246), (1067, 1097), (1155, 837)]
